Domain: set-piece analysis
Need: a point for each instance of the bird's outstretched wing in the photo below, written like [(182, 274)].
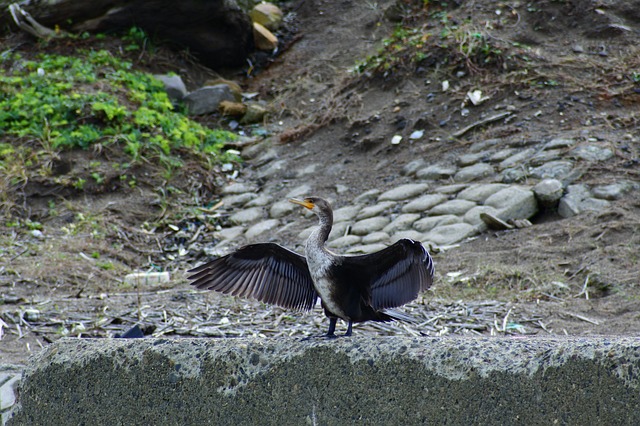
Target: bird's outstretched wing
[(395, 274), (267, 272)]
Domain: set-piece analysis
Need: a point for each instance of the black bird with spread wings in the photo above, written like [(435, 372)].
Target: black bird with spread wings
[(354, 288)]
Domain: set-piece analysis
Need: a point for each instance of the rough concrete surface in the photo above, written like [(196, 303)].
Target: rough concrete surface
[(359, 380)]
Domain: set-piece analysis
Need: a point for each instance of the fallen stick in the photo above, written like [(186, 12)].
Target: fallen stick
[(482, 123)]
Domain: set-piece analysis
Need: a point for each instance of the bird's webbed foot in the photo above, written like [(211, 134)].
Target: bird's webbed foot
[(331, 333), (320, 336)]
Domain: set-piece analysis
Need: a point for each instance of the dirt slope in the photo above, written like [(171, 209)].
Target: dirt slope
[(566, 69)]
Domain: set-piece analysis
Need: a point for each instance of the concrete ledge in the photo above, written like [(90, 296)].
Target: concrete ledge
[(361, 380)]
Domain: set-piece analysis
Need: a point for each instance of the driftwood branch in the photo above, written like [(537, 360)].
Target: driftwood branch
[(482, 123), (25, 22), (218, 32)]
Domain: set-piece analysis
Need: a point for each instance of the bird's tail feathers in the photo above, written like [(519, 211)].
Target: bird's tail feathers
[(398, 316)]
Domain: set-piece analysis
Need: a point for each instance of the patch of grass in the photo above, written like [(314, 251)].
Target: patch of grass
[(434, 40), (51, 104)]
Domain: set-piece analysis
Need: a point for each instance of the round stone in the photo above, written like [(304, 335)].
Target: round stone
[(413, 166), (404, 192), (299, 191), (559, 143), (428, 223), (411, 234), (480, 192), (436, 171), (424, 203), (543, 157), (309, 170), (247, 215), (553, 170), (272, 169), (367, 226), (450, 234), (375, 210), (238, 188), (471, 158), (345, 241), (238, 200), (453, 207), (346, 213), (502, 155), (366, 248), (402, 222), (260, 200), (339, 229), (375, 237), (451, 189), (474, 172), (612, 191), (514, 202), (261, 228), (282, 208), (517, 159), (473, 216), (592, 153), (367, 196), (515, 174), (548, 192), (230, 233)]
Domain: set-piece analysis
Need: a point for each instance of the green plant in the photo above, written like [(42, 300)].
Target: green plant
[(77, 102), (79, 183), (137, 39), (107, 266)]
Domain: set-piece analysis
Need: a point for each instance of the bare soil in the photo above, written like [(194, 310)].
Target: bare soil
[(565, 68)]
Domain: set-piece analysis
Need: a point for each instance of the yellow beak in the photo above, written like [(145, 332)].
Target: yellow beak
[(307, 204)]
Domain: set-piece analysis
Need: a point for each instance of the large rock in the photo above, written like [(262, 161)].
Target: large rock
[(548, 192), (378, 380), (218, 32), (404, 192), (246, 216), (513, 202), (450, 234), (206, 100), (480, 192), (424, 203), (369, 225), (263, 38), (267, 14), (428, 223), (375, 210), (578, 199), (473, 172), (261, 228), (173, 85), (452, 207)]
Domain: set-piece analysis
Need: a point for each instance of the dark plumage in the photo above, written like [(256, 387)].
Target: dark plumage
[(354, 288)]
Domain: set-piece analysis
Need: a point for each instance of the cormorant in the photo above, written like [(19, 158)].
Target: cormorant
[(354, 288)]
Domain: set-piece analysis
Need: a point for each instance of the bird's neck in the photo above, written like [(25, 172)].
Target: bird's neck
[(320, 235)]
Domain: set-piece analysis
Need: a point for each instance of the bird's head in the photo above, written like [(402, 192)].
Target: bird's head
[(317, 205)]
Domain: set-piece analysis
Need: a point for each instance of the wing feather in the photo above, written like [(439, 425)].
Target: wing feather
[(267, 272), (397, 274)]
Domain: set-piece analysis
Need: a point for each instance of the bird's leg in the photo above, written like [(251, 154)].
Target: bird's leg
[(330, 333), (348, 333), (332, 327)]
